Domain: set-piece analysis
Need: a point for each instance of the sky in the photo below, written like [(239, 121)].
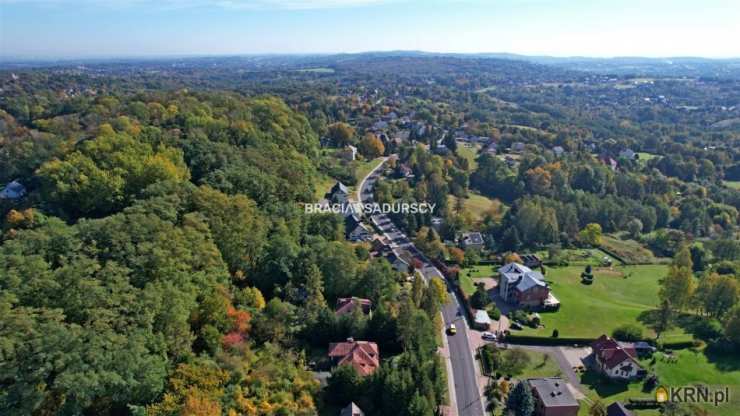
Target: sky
[(147, 28)]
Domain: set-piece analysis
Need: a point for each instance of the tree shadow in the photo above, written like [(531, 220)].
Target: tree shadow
[(724, 360), (602, 385), (686, 321)]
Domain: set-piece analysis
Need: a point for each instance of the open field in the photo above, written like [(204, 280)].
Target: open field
[(629, 250), (469, 153), (363, 168), (540, 365), (476, 204), (618, 296), (733, 184), (467, 276), (689, 368)]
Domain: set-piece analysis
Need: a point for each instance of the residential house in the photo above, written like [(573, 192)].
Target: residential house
[(381, 246), (348, 153), (362, 355), (517, 147), (614, 360), (347, 306), (398, 263), (351, 410), (437, 223), (404, 171), (519, 285), (617, 409), (491, 148), (628, 154), (558, 150), (472, 240), (481, 320), (339, 193), (531, 260), (552, 397), (355, 230), (13, 190)]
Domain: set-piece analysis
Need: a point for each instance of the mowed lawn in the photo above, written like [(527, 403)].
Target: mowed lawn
[(733, 184), (689, 368), (467, 284), (476, 204), (612, 300), (470, 153)]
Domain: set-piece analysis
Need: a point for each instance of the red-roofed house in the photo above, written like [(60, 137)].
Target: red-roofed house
[(346, 306), (614, 360), (362, 355)]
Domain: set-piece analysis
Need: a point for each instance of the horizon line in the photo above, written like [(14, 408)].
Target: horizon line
[(16, 58)]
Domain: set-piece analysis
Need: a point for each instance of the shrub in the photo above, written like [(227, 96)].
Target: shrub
[(628, 332), (493, 312), (587, 276), (555, 333), (480, 298)]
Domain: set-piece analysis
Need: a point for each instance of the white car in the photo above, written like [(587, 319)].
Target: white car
[(488, 336)]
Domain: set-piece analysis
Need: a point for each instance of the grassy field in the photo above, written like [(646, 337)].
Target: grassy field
[(540, 366), (733, 184), (323, 185), (467, 284), (470, 153), (476, 204), (618, 296), (363, 168), (689, 368), (629, 250)]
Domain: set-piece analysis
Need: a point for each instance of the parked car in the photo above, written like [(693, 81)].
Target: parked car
[(516, 325), (488, 336), (452, 330)]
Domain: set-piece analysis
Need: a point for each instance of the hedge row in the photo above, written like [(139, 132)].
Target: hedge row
[(532, 340)]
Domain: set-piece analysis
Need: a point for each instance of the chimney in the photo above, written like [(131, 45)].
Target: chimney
[(350, 340)]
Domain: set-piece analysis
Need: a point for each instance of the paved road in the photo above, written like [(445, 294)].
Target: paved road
[(466, 394)]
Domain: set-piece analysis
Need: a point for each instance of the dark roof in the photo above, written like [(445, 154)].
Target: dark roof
[(617, 409), (339, 187), (351, 410), (472, 238), (552, 392)]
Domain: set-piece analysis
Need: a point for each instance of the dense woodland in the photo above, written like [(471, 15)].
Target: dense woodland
[(161, 263)]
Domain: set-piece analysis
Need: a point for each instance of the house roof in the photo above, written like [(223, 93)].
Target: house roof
[(522, 276), (351, 410), (512, 271), (611, 354), (348, 305), (13, 190), (530, 280), (481, 317), (362, 355), (552, 392), (617, 409), (472, 238), (394, 259), (339, 187)]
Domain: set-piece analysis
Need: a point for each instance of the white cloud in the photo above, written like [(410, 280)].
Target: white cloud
[(230, 4)]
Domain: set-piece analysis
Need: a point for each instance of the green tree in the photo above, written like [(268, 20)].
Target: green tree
[(591, 234), (520, 400)]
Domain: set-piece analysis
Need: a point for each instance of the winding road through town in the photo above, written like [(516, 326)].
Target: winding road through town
[(466, 397)]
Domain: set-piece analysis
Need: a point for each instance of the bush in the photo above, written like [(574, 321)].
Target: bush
[(708, 329), (493, 312), (519, 316), (480, 298), (628, 332), (555, 333)]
